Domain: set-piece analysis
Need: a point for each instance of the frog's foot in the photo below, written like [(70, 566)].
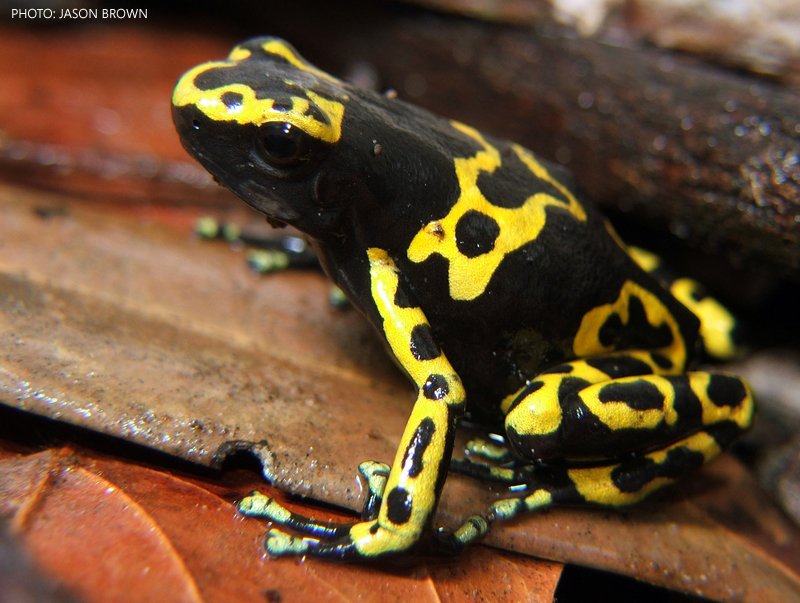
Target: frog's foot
[(365, 540), (618, 484), (375, 475), (492, 473), (324, 539), (489, 450), (498, 466), (256, 504), (280, 543), (452, 542)]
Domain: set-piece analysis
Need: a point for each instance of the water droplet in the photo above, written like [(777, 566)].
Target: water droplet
[(585, 100)]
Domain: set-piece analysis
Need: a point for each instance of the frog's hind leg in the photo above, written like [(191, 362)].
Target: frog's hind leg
[(608, 407), (597, 409), (614, 485), (584, 411), (719, 329)]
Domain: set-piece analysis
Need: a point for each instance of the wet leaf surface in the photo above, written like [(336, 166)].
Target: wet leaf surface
[(152, 335)]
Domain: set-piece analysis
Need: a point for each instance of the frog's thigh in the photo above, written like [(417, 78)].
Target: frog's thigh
[(597, 408), (717, 325), (407, 501)]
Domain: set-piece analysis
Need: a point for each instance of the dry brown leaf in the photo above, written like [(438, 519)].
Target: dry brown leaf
[(90, 535), (114, 531)]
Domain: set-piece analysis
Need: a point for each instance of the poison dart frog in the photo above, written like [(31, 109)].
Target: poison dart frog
[(498, 288)]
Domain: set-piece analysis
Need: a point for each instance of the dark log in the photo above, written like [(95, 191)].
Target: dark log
[(710, 153)]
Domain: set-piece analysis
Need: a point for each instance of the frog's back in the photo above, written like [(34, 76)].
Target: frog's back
[(513, 290), (499, 249)]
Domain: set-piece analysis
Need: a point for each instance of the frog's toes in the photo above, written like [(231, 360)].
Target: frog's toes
[(475, 527), (280, 543), (488, 450), (256, 504), (511, 507), (375, 474)]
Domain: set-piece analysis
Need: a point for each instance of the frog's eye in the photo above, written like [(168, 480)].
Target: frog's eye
[(283, 145)]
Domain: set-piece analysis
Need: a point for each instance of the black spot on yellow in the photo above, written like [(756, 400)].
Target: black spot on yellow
[(687, 404), (232, 99), (313, 111), (637, 334), (636, 473), (282, 106), (417, 446), (373, 529), (476, 233), (399, 506), (724, 390), (423, 347), (570, 385), (639, 395), (435, 387), (620, 366)]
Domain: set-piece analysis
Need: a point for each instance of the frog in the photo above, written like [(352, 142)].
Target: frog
[(498, 288)]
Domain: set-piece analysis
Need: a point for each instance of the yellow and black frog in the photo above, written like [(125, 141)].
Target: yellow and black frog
[(498, 288)]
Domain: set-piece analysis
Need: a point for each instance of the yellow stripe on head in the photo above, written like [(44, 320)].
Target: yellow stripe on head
[(248, 108)]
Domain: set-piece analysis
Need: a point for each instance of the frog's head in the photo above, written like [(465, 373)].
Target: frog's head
[(262, 122)]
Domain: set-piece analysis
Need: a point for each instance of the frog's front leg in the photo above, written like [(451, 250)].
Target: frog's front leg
[(406, 505)]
